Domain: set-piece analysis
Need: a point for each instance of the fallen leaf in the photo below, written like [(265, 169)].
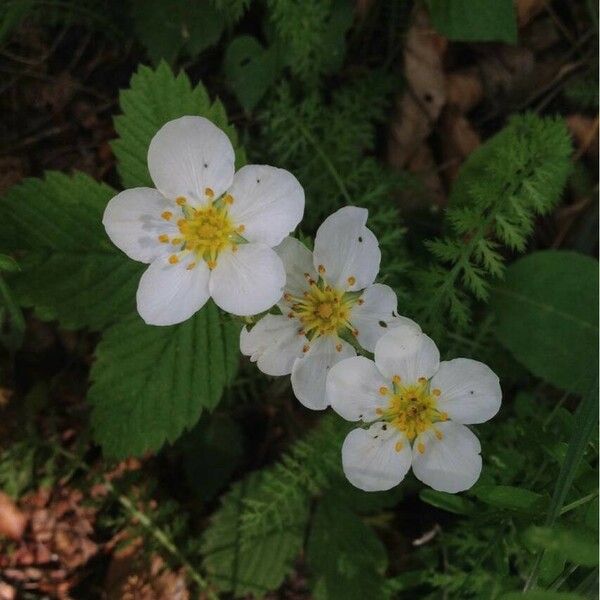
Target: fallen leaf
[(12, 520)]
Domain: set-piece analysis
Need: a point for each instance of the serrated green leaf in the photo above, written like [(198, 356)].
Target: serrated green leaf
[(483, 21), (346, 559), (69, 271), (149, 384), (156, 96), (244, 563), (547, 316), (572, 544)]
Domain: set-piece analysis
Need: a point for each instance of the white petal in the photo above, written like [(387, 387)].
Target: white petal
[(133, 222), (377, 315), (451, 464), (470, 390), (189, 155), (353, 389), (267, 201), (273, 343), (347, 249), (408, 352), (297, 261), (249, 281), (371, 459), (169, 294), (309, 373)]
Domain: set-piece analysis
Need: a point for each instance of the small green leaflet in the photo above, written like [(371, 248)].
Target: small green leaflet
[(154, 98), (70, 270), (151, 383), (547, 316), (573, 544), (243, 563), (481, 21)]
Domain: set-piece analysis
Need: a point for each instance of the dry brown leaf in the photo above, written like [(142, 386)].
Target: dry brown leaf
[(12, 520), (419, 107), (458, 140), (527, 10), (464, 89), (585, 134)]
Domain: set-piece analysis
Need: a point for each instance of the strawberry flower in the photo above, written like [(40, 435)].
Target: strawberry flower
[(418, 408), (329, 298), (204, 231)]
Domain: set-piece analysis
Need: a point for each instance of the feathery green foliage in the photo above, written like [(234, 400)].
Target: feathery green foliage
[(503, 186), (329, 145)]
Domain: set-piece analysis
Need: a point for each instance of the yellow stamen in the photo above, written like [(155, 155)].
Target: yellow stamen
[(396, 379), (438, 434), (398, 446), (176, 241), (351, 280), (211, 264), (241, 228), (338, 347), (305, 348), (181, 200), (228, 199), (421, 447), (208, 192), (436, 392), (383, 390), (191, 266), (163, 238), (173, 259), (167, 215), (321, 269)]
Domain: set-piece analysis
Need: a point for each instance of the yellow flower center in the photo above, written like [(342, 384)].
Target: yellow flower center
[(204, 231), (322, 310), (412, 409)]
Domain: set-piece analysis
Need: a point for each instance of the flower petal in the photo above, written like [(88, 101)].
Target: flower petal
[(347, 249), (133, 222), (377, 315), (406, 351), (450, 464), (273, 343), (169, 294), (249, 281), (353, 389), (297, 261), (189, 155), (376, 460), (470, 390), (309, 373), (267, 201)]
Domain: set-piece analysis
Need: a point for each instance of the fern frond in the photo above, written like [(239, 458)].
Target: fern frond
[(308, 468), (517, 175)]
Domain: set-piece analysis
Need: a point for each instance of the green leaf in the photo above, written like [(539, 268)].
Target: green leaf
[(149, 384), (510, 498), (574, 545), (450, 502), (547, 316), (69, 271), (250, 69), (154, 98), (541, 595), (244, 563), (8, 264), (346, 559), (484, 21), (190, 26), (211, 452)]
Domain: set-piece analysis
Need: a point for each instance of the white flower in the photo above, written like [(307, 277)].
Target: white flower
[(418, 408), (324, 301), (205, 231)]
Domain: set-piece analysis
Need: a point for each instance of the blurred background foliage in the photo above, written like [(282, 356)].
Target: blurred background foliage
[(469, 131)]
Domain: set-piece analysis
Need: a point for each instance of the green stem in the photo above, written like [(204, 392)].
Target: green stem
[(577, 503), (157, 533), (323, 156)]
